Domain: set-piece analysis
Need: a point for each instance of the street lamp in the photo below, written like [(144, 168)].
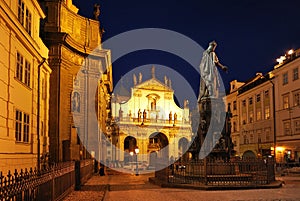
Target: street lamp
[(136, 151)]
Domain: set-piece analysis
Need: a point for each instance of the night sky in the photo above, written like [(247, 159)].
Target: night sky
[(250, 34)]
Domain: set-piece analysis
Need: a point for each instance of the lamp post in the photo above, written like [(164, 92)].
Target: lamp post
[(136, 151)]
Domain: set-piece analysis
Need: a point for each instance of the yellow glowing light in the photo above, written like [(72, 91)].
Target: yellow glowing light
[(279, 60), (283, 58), (280, 149), (290, 52)]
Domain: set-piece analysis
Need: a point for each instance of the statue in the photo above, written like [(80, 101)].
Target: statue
[(134, 80), (96, 11), (209, 82), (140, 77)]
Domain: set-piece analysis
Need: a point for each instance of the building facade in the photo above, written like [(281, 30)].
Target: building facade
[(256, 117), (287, 86), (24, 86), (150, 120), (232, 101), (268, 112), (80, 69), (252, 120)]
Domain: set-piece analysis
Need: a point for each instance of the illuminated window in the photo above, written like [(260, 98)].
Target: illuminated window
[(286, 101), (267, 112), (250, 116), (297, 98), (258, 114)]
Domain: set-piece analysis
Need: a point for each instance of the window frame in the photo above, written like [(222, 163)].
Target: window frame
[(285, 78), (295, 74)]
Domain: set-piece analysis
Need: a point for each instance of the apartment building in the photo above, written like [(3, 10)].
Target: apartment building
[(24, 86), (287, 90)]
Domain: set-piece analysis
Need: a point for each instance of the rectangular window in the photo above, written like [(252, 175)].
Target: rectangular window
[(250, 101), (287, 127), (267, 112), (234, 127), (297, 98), (297, 126), (258, 98), (19, 67), (21, 11), (22, 122), (18, 128), (285, 101), (258, 132), (250, 116), (27, 73), (244, 118), (295, 74), (234, 105), (285, 78), (251, 137), (246, 141), (28, 22), (244, 103), (26, 128), (267, 94), (258, 114)]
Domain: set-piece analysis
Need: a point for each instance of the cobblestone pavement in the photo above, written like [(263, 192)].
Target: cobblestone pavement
[(137, 188), (91, 190)]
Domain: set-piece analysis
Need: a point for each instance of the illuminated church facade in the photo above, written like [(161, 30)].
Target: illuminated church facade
[(150, 120)]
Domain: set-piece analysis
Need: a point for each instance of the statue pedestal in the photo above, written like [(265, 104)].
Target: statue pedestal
[(212, 139)]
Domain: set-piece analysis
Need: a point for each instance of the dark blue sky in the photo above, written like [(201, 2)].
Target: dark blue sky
[(250, 34)]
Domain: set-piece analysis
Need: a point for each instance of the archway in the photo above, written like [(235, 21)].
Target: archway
[(249, 154), (183, 145), (129, 145), (158, 144)]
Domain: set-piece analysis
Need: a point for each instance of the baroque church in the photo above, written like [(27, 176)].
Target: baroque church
[(149, 119)]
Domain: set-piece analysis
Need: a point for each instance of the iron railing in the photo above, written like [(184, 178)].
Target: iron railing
[(50, 184), (234, 173)]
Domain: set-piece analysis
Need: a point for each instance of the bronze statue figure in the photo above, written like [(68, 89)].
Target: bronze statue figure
[(209, 81)]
